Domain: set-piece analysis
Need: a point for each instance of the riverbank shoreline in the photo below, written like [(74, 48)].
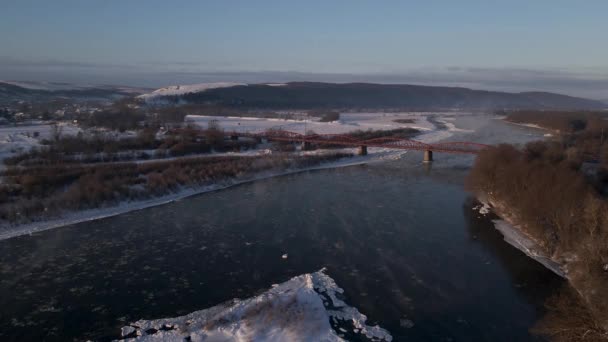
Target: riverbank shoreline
[(88, 215), (534, 126), (515, 236)]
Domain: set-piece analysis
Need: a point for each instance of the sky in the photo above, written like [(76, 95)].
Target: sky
[(489, 44)]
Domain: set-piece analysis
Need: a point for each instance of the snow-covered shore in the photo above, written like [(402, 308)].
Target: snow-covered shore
[(299, 309), (535, 126), (516, 237)]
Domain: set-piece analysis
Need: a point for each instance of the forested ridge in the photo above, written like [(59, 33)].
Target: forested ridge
[(316, 95)]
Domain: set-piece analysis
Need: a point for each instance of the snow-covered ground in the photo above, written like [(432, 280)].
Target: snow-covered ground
[(299, 309), (19, 139), (185, 89), (348, 122), (22, 138)]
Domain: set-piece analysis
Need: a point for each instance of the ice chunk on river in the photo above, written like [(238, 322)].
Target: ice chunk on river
[(291, 311)]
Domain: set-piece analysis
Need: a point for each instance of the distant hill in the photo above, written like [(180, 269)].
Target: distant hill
[(313, 95), (561, 101), (40, 91), (184, 89)]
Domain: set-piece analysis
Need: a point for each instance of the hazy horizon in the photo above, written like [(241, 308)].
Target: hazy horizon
[(588, 85), (517, 46)]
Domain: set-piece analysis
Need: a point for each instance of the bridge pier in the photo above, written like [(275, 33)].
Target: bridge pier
[(427, 167), (428, 156), (362, 150)]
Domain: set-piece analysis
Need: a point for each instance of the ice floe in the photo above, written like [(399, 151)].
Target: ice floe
[(299, 309), (483, 208)]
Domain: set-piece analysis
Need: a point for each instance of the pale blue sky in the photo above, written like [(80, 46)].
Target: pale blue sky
[(353, 37)]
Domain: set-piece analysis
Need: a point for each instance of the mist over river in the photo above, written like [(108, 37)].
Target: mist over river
[(401, 238)]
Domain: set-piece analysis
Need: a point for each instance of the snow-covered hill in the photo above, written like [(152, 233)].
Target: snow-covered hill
[(185, 89)]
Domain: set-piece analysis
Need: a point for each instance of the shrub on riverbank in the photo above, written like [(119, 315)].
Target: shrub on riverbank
[(544, 191), (568, 319)]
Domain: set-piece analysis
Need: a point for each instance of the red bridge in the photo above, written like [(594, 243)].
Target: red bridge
[(350, 140)]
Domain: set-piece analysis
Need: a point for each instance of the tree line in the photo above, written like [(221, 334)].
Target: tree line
[(544, 189)]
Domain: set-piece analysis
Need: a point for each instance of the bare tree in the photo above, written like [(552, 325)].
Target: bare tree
[(56, 131), (214, 134)]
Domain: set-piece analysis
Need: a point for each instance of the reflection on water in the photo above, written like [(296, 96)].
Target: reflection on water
[(402, 241)]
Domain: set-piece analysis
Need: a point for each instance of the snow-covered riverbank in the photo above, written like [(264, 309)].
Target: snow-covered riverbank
[(516, 237), (551, 133)]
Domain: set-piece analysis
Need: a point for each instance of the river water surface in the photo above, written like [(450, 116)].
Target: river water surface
[(402, 239)]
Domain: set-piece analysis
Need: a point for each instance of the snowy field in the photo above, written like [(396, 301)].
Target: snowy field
[(19, 139), (348, 122), (299, 309)]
